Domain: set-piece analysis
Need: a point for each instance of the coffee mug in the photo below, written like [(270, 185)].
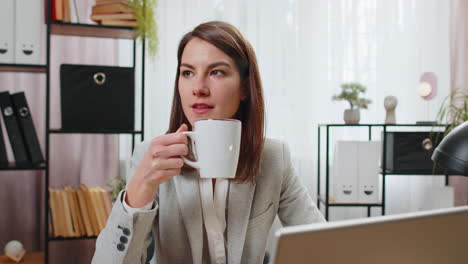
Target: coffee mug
[(216, 145)]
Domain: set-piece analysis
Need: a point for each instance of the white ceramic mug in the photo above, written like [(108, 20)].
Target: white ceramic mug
[(216, 145)]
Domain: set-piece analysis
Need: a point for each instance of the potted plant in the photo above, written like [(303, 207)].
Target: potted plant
[(116, 185), (146, 29), (351, 92), (454, 110)]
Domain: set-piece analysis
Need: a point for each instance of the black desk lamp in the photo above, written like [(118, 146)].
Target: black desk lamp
[(452, 152)]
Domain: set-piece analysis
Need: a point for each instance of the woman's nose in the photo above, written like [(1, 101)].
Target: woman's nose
[(200, 88)]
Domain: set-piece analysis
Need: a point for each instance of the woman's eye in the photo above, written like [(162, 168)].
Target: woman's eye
[(187, 73), (218, 72)]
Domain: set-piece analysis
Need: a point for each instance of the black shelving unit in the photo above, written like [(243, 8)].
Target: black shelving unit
[(94, 31), (324, 198), (80, 30)]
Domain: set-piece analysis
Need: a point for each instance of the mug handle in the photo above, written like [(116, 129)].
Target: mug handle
[(193, 164)]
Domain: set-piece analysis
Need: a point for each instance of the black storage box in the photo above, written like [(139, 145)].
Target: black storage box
[(97, 98), (410, 152)]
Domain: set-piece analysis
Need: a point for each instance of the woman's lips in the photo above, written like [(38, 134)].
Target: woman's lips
[(201, 108)]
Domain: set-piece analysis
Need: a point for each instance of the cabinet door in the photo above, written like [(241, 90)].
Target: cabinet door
[(7, 28), (368, 171), (344, 172), (28, 26)]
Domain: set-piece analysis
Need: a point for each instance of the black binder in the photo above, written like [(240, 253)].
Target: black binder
[(95, 98), (3, 154), (12, 127), (23, 114)]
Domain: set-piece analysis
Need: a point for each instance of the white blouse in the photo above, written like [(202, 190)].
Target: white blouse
[(214, 216)]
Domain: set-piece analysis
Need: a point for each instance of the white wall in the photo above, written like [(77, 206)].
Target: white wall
[(306, 49)]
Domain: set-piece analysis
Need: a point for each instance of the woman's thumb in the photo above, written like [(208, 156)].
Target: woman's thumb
[(182, 128)]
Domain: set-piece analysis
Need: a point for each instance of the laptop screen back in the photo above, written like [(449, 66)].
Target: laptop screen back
[(438, 236)]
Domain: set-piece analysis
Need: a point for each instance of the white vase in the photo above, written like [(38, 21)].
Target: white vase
[(351, 116)]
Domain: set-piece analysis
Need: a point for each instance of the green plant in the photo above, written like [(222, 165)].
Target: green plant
[(351, 92), (454, 110), (146, 28), (116, 185)]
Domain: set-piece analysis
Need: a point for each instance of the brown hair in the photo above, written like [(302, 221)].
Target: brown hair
[(251, 110)]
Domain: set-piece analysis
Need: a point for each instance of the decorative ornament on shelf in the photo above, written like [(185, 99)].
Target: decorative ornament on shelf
[(427, 88), (147, 28), (15, 250), (351, 93), (390, 103)]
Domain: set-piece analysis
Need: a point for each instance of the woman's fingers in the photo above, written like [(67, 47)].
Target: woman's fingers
[(182, 128), (170, 151), (165, 175), (169, 139), (166, 164), (173, 138)]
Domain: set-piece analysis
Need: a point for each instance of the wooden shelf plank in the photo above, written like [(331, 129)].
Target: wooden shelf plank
[(22, 68), (89, 30), (29, 258), (70, 238), (13, 166), (332, 202)]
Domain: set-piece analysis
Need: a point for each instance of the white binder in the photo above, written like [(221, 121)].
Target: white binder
[(344, 172), (7, 28), (28, 24), (368, 171)]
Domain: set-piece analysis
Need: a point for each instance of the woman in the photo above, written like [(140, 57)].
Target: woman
[(217, 78)]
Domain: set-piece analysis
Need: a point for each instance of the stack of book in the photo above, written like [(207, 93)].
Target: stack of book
[(17, 131), (78, 212), (113, 13)]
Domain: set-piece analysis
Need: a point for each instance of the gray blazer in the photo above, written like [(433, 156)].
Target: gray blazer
[(176, 222)]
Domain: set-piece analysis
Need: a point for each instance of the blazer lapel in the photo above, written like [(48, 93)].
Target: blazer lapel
[(239, 205), (188, 195)]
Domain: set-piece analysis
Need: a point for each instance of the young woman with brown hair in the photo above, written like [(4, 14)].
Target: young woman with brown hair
[(217, 78)]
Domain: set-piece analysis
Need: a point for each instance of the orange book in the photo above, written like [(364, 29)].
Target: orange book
[(74, 211), (66, 11), (61, 213), (106, 197), (67, 213), (113, 16), (123, 23), (91, 210), (84, 212), (59, 9), (99, 208), (54, 212), (112, 8), (78, 212)]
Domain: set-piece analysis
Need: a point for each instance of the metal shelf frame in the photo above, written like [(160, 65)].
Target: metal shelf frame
[(77, 30), (324, 198)]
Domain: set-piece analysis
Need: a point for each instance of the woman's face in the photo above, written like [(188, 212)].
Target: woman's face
[(209, 82)]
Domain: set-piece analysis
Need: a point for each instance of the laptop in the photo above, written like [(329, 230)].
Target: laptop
[(428, 237)]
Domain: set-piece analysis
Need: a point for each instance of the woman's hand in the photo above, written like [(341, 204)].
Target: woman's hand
[(161, 162)]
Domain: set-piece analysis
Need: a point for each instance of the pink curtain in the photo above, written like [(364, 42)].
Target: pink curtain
[(459, 75), (74, 159)]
